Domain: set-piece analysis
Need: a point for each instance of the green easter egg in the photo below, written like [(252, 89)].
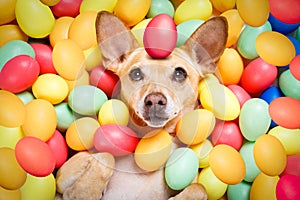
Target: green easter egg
[(289, 85)]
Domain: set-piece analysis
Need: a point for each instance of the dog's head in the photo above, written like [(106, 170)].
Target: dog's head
[(159, 91)]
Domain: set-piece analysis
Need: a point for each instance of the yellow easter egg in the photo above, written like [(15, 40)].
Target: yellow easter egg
[(11, 32), (50, 87), (264, 187), (10, 136), (80, 134), (97, 5), (269, 155), (193, 9), (50, 2), (93, 57), (7, 11), (68, 59), (253, 12), (230, 67), (83, 26), (132, 12), (195, 126), (275, 48), (10, 194), (222, 5), (60, 30), (40, 119), (153, 150), (139, 29), (202, 150), (12, 110), (81, 80), (227, 164), (289, 138), (206, 81), (221, 101)]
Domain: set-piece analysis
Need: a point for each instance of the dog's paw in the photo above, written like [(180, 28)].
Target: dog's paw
[(85, 176), (192, 192)]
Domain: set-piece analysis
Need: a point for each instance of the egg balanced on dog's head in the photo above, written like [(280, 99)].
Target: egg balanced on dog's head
[(159, 91)]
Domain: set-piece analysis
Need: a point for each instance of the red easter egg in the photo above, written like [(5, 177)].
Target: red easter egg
[(115, 139), (292, 165), (285, 111), (43, 54), (240, 93), (258, 76), (160, 36), (66, 8), (288, 187), (105, 80), (35, 156), (295, 67), (286, 11), (59, 148), (19, 73)]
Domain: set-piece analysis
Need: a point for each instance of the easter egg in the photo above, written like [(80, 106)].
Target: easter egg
[(12, 110), (93, 57), (25, 96), (275, 48), (292, 165), (39, 188), (83, 79), (255, 13), (193, 9), (86, 99), (186, 29), (181, 168), (202, 150), (59, 148), (50, 2), (60, 30), (195, 126), (270, 94), (227, 132), (240, 93), (258, 76), (105, 80), (264, 187), (11, 32), (68, 59), (221, 101), (230, 67), (280, 26), (43, 55), (288, 187), (12, 174), (295, 42), (153, 150), (269, 155), (132, 12), (160, 7), (96, 5), (10, 136), (65, 116), (7, 11), (30, 12), (214, 187), (252, 170), (222, 6), (207, 81), (160, 36), (285, 112), (10, 194), (254, 119), (139, 29), (247, 38), (14, 48), (227, 164), (80, 134), (289, 138), (116, 139), (66, 8), (239, 191), (289, 85), (35, 156), (40, 119), (285, 11)]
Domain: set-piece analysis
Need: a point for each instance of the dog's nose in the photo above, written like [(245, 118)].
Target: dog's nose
[(155, 99)]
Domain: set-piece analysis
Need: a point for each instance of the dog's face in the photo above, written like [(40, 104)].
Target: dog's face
[(159, 91)]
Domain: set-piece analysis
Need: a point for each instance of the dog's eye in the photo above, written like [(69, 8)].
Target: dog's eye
[(179, 75), (136, 74)]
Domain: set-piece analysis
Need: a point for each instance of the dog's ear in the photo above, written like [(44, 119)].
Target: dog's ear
[(207, 44), (115, 40)]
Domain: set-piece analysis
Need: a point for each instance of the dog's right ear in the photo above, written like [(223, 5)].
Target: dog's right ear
[(115, 40)]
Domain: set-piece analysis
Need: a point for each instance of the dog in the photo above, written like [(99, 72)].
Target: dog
[(158, 92)]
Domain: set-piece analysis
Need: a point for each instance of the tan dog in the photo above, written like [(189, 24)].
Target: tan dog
[(157, 92)]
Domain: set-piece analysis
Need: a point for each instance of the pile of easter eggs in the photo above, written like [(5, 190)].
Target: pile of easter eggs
[(57, 98)]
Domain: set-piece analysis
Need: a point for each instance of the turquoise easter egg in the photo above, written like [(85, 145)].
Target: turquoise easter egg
[(186, 29), (239, 191), (160, 7), (65, 116), (289, 85)]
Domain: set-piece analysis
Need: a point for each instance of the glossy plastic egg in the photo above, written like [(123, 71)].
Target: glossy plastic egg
[(60, 30), (207, 81), (11, 32), (153, 150), (30, 12), (264, 187), (25, 97), (80, 134), (269, 155), (181, 168), (193, 9), (289, 85), (68, 59), (270, 94), (258, 76), (285, 11), (86, 99), (39, 188), (35, 156), (7, 11), (96, 5), (65, 116), (10, 194), (160, 7), (239, 191), (255, 13), (240, 93), (288, 187), (81, 80), (285, 111), (160, 36), (186, 29), (139, 29), (275, 48), (10, 136), (202, 150), (93, 57), (295, 67), (292, 165), (43, 55), (254, 119), (295, 42), (223, 5), (12, 174), (115, 139), (280, 26), (227, 164), (195, 126), (132, 12), (221, 101), (12, 110), (66, 8)]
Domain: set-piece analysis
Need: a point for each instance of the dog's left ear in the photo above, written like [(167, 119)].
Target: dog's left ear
[(207, 44)]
